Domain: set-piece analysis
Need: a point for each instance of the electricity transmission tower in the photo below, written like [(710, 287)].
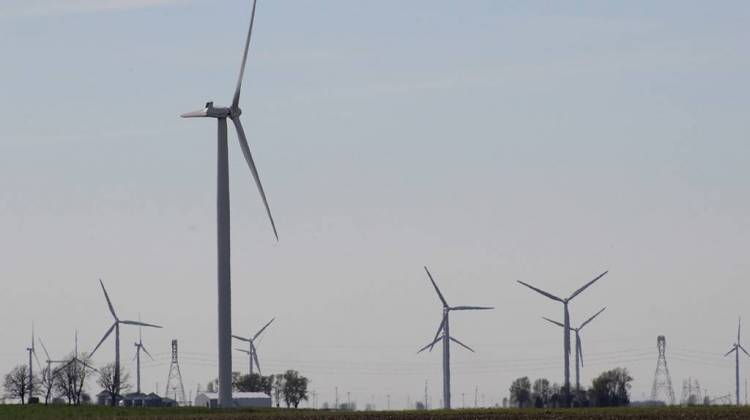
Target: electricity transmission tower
[(691, 392), (174, 382), (662, 389)]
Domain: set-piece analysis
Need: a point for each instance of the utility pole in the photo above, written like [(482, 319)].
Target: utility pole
[(337, 398), (476, 394), (388, 398)]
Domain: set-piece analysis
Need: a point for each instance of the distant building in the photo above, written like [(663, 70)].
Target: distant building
[(239, 399), (105, 398), (136, 400)]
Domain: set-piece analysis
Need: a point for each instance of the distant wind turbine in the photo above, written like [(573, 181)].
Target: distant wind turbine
[(252, 351), (443, 333), (736, 349), (116, 328), (138, 348), (222, 207), (566, 328), (32, 352), (75, 358), (579, 347)]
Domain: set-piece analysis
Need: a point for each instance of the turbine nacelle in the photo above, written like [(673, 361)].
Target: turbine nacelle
[(211, 111)]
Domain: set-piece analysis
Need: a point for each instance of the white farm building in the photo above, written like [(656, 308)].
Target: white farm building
[(239, 399)]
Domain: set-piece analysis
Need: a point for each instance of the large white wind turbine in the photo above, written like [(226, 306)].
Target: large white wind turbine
[(116, 328), (252, 351), (222, 206), (566, 326), (579, 347), (736, 349), (138, 348), (443, 333)]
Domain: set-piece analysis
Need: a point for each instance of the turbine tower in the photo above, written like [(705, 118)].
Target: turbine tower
[(443, 333), (736, 349), (662, 378), (116, 327), (222, 207), (566, 326), (138, 348), (32, 352), (579, 347), (252, 351)]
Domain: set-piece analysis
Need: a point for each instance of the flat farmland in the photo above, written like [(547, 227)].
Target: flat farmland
[(73, 413)]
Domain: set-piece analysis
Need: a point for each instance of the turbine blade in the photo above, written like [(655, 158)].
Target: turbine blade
[(739, 325), (440, 329), (254, 170), (743, 349), (109, 302), (146, 351), (734, 348), (577, 292), (140, 324), (462, 344), (86, 365), (109, 331), (257, 363), (195, 114), (243, 350), (554, 322), (549, 295), (580, 348), (236, 100), (430, 345), (263, 329), (440, 295), (241, 338), (46, 353), (592, 318), (470, 308)]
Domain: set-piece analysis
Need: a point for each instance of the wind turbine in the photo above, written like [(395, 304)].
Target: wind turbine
[(252, 352), (75, 358), (736, 349), (443, 333), (222, 206), (32, 351), (116, 327), (566, 325), (138, 347), (579, 348)]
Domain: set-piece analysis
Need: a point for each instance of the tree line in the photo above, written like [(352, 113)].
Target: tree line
[(67, 383), (288, 388), (610, 389)]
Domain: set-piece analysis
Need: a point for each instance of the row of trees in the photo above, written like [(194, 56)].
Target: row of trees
[(610, 389), (289, 387), (65, 383)]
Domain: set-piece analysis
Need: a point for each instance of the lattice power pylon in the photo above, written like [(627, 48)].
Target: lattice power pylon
[(175, 389), (662, 389)]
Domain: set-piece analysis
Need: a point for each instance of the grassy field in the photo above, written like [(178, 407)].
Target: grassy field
[(89, 413)]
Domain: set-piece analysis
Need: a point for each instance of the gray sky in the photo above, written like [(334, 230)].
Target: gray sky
[(493, 141)]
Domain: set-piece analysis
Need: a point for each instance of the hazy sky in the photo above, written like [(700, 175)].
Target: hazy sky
[(493, 141)]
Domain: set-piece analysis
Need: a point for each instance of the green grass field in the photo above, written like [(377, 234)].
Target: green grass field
[(64, 412)]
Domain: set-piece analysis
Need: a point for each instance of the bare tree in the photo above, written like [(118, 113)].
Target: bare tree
[(107, 382), (47, 383), (71, 378), (16, 384)]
